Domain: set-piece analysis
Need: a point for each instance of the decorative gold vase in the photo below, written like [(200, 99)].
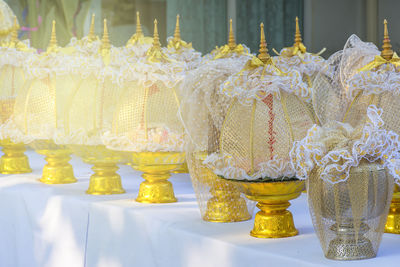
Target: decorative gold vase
[(393, 219), (14, 161), (273, 220), (156, 168), (57, 170), (105, 180), (219, 200)]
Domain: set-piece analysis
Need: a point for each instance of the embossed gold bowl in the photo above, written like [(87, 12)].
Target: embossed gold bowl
[(219, 200), (273, 220), (105, 180), (58, 170), (156, 168)]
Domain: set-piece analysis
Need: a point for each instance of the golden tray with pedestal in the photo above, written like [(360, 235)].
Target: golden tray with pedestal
[(58, 170), (14, 161), (393, 219), (105, 180), (156, 168), (273, 220)]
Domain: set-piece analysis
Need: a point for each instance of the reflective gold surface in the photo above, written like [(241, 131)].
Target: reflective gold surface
[(14, 161), (57, 170), (105, 180), (393, 219), (274, 220), (156, 168), (182, 169)]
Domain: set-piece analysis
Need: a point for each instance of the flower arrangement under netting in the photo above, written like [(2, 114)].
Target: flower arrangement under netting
[(362, 76), (146, 117), (265, 115)]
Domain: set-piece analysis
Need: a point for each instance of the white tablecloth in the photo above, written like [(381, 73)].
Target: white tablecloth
[(59, 225)]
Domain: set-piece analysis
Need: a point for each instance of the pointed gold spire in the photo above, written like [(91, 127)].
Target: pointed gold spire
[(177, 33), (91, 35), (156, 39), (297, 35), (263, 51), (14, 32), (387, 52), (105, 42), (139, 31), (53, 39), (231, 39)]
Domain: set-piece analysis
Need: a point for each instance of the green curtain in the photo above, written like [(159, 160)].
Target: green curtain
[(278, 17), (203, 22)]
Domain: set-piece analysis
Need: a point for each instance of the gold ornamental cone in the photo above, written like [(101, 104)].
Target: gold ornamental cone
[(231, 38), (105, 41), (387, 52), (91, 35), (177, 32), (263, 51), (297, 35), (139, 30)]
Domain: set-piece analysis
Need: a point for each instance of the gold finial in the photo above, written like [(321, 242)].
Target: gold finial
[(231, 39), (53, 39), (91, 35), (263, 51), (105, 42), (14, 32), (177, 33), (139, 30), (297, 35), (387, 52), (156, 39)]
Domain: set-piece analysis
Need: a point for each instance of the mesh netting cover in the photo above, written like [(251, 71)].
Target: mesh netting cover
[(146, 117), (265, 115), (202, 110)]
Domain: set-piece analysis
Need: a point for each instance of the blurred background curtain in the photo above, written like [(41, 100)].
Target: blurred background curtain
[(324, 23)]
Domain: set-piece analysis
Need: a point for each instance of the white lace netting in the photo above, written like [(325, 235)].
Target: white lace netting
[(255, 83), (356, 55), (337, 147), (199, 94)]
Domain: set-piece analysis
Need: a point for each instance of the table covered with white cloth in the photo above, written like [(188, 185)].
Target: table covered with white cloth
[(60, 225)]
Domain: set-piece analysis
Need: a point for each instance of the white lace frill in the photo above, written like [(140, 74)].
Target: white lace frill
[(191, 57), (308, 64), (156, 140), (337, 147), (256, 83), (225, 166), (14, 57)]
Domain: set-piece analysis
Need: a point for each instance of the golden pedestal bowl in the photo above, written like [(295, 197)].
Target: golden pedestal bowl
[(392, 225), (58, 170), (14, 161), (156, 168), (273, 220), (225, 203), (105, 180)]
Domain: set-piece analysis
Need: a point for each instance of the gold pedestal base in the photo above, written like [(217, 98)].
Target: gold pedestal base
[(14, 161), (273, 221), (156, 168), (226, 206), (393, 219), (105, 180), (57, 170)]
